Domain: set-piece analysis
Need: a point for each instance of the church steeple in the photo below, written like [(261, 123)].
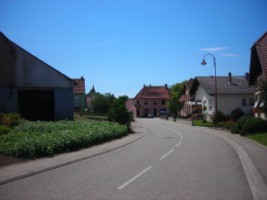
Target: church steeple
[(92, 92)]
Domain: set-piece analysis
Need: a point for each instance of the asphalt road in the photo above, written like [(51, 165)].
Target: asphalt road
[(173, 161)]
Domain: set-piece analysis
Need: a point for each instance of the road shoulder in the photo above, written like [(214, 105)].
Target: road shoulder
[(32, 167)]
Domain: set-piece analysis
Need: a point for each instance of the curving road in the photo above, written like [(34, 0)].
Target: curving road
[(173, 161)]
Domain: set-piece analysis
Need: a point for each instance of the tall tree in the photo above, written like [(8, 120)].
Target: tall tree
[(101, 103), (177, 91), (119, 113)]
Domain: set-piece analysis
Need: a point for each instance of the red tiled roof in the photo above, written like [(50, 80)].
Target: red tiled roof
[(258, 59), (79, 86), (182, 98), (152, 92), (261, 46)]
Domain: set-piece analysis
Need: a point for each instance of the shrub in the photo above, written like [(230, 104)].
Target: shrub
[(10, 119), (235, 128), (248, 124), (236, 114), (218, 117), (119, 113), (221, 124), (255, 125), (39, 139), (4, 129), (229, 124)]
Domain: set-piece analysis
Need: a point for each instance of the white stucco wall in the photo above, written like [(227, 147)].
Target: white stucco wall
[(225, 103)]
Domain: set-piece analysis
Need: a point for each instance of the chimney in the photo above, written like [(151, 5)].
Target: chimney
[(229, 78), (82, 78), (166, 86)]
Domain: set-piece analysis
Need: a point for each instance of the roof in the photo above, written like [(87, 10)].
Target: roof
[(79, 86), (182, 98), (153, 92), (239, 85), (258, 59), (10, 58)]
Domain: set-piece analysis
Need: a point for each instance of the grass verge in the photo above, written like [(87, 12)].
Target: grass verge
[(202, 123), (261, 138)]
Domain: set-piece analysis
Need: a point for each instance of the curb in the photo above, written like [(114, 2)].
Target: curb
[(256, 183), (107, 149)]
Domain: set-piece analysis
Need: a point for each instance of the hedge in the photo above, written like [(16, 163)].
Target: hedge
[(249, 125)]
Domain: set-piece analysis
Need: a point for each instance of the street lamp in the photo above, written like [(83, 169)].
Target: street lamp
[(215, 78)]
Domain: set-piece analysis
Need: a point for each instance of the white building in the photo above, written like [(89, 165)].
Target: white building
[(232, 92)]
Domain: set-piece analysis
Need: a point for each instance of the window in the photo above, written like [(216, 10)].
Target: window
[(155, 102), (146, 103), (210, 104), (162, 102), (244, 102)]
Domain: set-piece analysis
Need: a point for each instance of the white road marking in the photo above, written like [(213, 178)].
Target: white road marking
[(168, 153), (135, 177), (180, 142)]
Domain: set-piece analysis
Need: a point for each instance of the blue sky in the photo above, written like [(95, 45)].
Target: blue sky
[(119, 45)]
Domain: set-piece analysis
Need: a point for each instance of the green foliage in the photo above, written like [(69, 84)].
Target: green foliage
[(10, 119), (39, 139), (4, 129), (177, 90), (236, 114), (119, 113), (218, 117), (249, 125), (229, 124), (261, 138), (101, 103), (203, 123)]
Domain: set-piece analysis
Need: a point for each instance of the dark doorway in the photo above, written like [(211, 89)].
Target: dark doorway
[(36, 104), (138, 113), (155, 112)]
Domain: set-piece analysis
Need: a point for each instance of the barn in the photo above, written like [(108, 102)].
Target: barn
[(31, 87)]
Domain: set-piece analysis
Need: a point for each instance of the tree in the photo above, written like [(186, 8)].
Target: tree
[(177, 91), (119, 113), (101, 103)]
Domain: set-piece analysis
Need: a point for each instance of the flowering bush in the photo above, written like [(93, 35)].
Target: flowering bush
[(39, 139)]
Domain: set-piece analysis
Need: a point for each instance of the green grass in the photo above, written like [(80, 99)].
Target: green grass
[(41, 139), (261, 138), (202, 123)]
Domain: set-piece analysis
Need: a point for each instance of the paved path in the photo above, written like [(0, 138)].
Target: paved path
[(32, 167), (173, 161)]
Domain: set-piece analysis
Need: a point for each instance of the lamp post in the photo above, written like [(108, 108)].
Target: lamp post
[(215, 78)]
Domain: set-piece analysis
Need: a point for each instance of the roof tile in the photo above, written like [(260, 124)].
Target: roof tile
[(151, 92), (79, 86), (239, 85)]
